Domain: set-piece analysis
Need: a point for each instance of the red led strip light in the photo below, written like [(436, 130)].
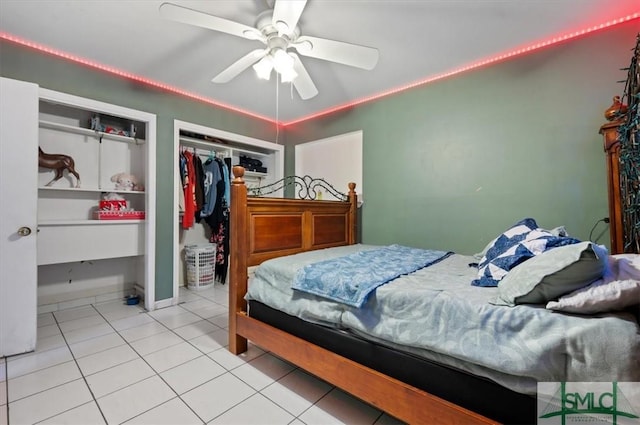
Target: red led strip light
[(456, 71), (128, 75), (475, 65)]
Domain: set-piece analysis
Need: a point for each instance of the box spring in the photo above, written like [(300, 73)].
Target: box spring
[(466, 390)]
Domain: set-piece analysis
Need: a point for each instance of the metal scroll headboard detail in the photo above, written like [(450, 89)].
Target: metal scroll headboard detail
[(305, 187), (630, 157)]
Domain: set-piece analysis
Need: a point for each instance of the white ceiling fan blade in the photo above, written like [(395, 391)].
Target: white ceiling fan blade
[(193, 17), (337, 51), (240, 65), (286, 14), (303, 82)]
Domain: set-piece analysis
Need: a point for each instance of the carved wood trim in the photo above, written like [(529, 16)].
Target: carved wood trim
[(612, 149)]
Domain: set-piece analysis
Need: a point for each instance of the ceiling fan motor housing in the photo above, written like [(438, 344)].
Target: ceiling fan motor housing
[(275, 38)]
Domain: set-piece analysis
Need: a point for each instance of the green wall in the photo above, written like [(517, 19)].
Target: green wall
[(448, 165), (61, 75), (452, 164)]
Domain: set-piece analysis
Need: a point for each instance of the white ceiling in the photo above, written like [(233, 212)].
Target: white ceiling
[(416, 39)]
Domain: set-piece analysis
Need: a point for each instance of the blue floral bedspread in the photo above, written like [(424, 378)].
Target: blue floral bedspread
[(436, 314), (351, 278)]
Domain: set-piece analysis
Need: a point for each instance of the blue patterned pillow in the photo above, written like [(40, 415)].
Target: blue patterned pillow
[(519, 243)]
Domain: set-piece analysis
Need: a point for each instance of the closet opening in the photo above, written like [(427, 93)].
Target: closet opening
[(203, 161)]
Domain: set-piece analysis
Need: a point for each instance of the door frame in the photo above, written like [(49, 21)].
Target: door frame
[(150, 302)]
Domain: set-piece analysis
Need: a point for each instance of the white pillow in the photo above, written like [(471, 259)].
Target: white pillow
[(617, 290), (626, 266), (599, 297)]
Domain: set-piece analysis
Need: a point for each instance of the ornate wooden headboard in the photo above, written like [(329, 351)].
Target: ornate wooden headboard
[(278, 227), (265, 228)]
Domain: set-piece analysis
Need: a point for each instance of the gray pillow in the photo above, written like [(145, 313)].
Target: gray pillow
[(552, 274)]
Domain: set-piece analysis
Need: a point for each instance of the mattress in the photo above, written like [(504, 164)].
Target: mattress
[(436, 314), (466, 390)]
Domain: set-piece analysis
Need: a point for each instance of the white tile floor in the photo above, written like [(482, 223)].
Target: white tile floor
[(112, 363)]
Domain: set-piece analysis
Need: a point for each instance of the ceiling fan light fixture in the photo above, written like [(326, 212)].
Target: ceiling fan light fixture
[(288, 75), (263, 68), (282, 62)]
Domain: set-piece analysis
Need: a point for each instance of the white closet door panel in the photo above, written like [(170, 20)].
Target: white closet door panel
[(18, 200)]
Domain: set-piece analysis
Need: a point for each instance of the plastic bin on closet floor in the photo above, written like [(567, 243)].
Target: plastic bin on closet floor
[(201, 264)]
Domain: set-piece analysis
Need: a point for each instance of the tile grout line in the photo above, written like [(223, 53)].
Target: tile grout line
[(305, 410), (57, 323), (83, 376), (206, 355), (184, 339), (158, 373), (147, 363), (230, 371), (295, 417)]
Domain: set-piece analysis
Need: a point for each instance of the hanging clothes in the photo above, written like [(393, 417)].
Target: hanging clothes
[(219, 222), (226, 175), (189, 191), (182, 171), (211, 178), (199, 186), (206, 190)]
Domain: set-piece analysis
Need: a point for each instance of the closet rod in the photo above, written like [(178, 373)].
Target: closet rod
[(206, 152)]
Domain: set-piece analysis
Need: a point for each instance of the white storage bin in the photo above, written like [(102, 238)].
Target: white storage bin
[(201, 265)]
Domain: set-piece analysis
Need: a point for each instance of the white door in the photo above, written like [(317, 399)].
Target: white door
[(18, 216)]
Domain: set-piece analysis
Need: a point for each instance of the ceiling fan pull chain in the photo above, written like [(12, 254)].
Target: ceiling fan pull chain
[(277, 108)]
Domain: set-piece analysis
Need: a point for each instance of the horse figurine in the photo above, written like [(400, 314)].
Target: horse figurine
[(59, 163)]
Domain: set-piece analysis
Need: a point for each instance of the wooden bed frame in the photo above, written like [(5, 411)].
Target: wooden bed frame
[(264, 228)]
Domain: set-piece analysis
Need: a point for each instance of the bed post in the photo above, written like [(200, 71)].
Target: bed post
[(238, 250), (353, 200)]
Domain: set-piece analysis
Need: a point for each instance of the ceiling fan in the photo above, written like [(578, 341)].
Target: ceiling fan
[(278, 29)]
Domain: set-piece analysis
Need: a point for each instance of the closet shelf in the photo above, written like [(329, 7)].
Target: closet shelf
[(82, 189), (255, 174), (89, 132), (252, 153), (87, 222), (187, 141)]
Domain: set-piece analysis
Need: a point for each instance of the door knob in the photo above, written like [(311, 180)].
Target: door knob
[(24, 231)]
